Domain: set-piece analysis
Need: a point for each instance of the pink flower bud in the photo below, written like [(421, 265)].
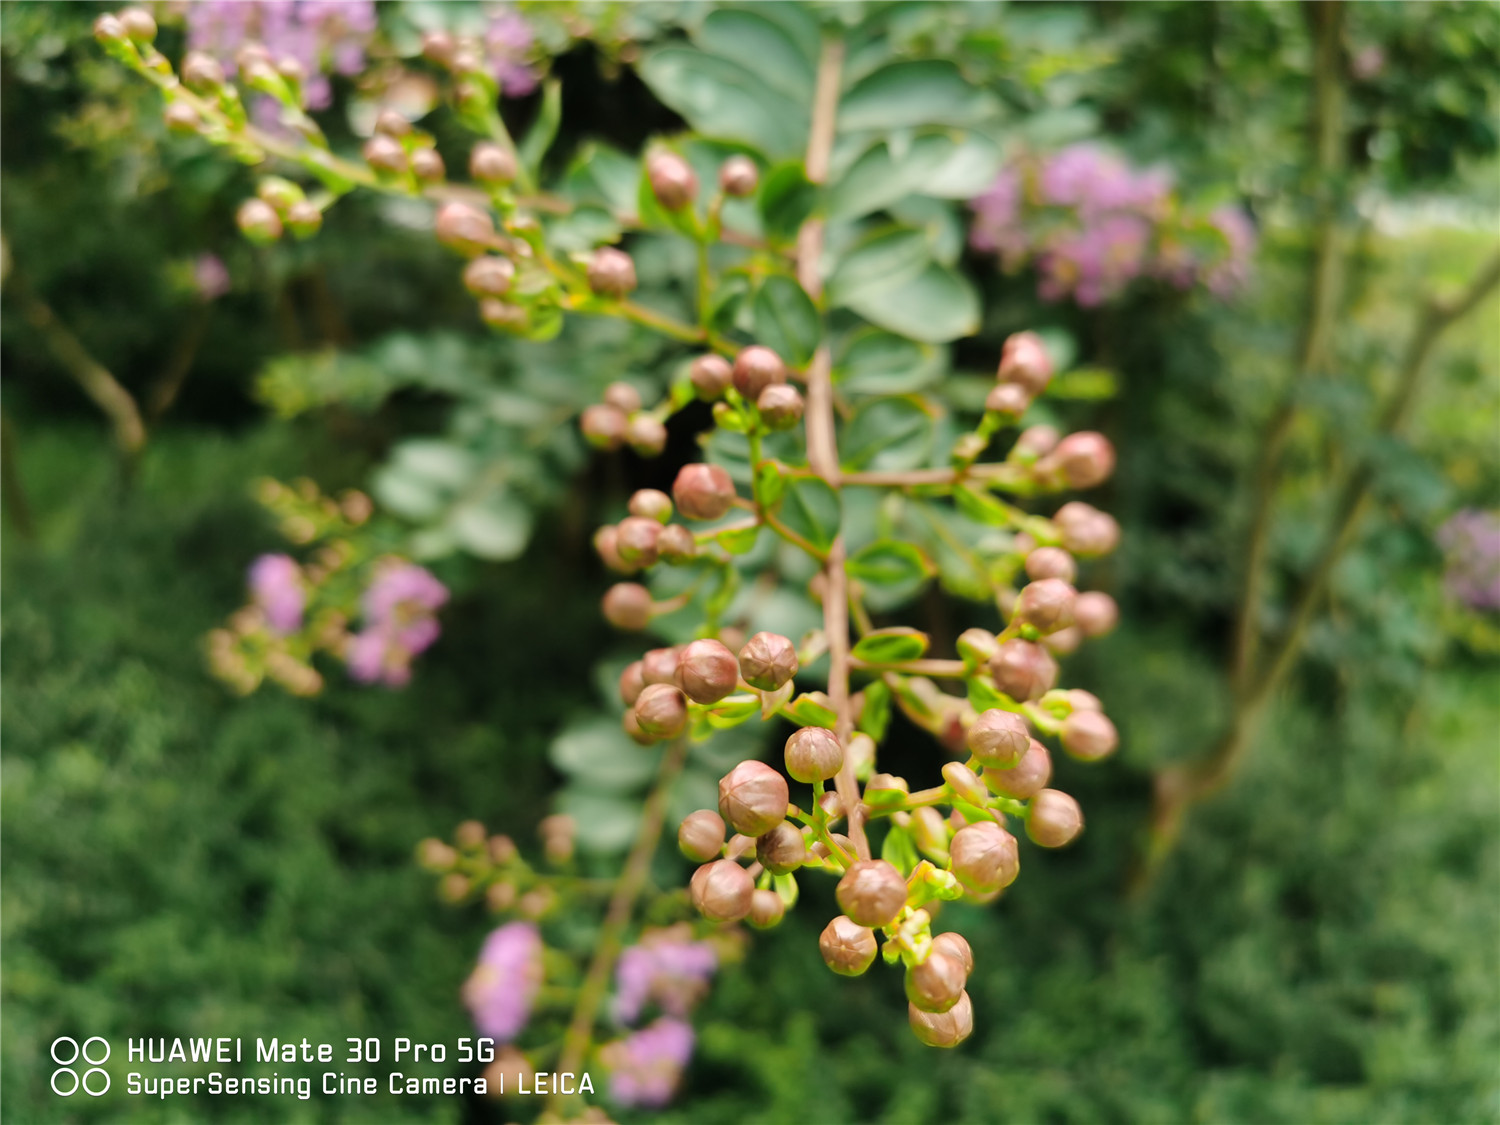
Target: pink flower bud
[(847, 947), (182, 118), (428, 166), (738, 176), (1089, 735), (661, 710), (755, 369), (605, 542), (1009, 400), (943, 1029), (635, 540), (985, 857), (632, 727), (998, 738), (676, 544), (703, 491), (1046, 604), (1064, 641), (258, 221), (722, 891), (646, 435), (707, 671), (1053, 819), (813, 754), (303, 218), (503, 316), (1051, 562), (1035, 441), (1023, 670), (491, 165), (385, 154), (138, 24), (1080, 460), (977, 646), (438, 46), (659, 666), (611, 272), (766, 909), (651, 504), (1024, 361), (1096, 613), (632, 683), (201, 72), (936, 984), (872, 892), (711, 376), (673, 180), (603, 426), (768, 661), (780, 406), (489, 276), (627, 605), (1084, 700), (462, 228), (701, 835), (392, 124), (965, 783), (753, 798), (782, 849), (1085, 530), (1026, 778), (955, 945), (109, 29)]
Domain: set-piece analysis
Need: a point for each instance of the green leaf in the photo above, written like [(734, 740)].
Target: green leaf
[(543, 130), (887, 433), (786, 198), (770, 485), (786, 321), (604, 176), (496, 526), (890, 257), (1086, 383), (606, 823), (937, 305), (899, 851), (985, 696), (720, 98), (889, 562), (786, 887), (739, 541), (981, 506), (908, 94), (895, 645), (879, 363), (808, 712), (875, 715), (599, 752), (731, 713), (728, 585), (812, 509), (738, 33), (935, 164)]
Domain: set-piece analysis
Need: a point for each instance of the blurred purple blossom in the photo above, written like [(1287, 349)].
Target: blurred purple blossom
[(276, 587), (645, 1067), (500, 990), (399, 608), (507, 42), (673, 974), (1471, 541), (210, 277)]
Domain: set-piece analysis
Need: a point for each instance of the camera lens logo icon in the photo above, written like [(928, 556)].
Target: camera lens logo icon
[(66, 1052)]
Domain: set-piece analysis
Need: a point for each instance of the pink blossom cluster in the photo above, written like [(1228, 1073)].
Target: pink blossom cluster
[(399, 623), (1471, 541), (507, 43), (279, 590), (500, 991), (646, 1066), (1092, 224), (670, 973)]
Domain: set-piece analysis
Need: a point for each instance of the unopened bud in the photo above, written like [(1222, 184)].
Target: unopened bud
[(701, 836), (138, 24), (966, 784), (635, 540), (739, 176), (768, 661), (860, 752), (385, 154), (1064, 641), (722, 891), (780, 406), (1051, 562), (1046, 604), (466, 60), (1024, 361), (109, 29), (1034, 442), (943, 1029), (1023, 670), (182, 118), (673, 180), (503, 850), (1085, 530), (711, 376), (304, 219), (462, 228), (611, 272), (708, 671), (872, 892), (659, 666), (627, 605), (1009, 400), (436, 855), (977, 646), (766, 909), (1081, 700), (201, 72), (676, 544), (782, 849), (755, 369), (650, 503), (847, 947), (438, 46), (753, 797), (491, 165), (390, 123), (936, 984), (703, 491), (454, 887), (469, 834), (489, 276), (1053, 819), (604, 426), (662, 711), (605, 542), (957, 946), (998, 738), (500, 896), (1026, 778), (1089, 735), (427, 165), (985, 857), (502, 315), (1096, 613), (258, 221), (813, 754), (930, 832), (884, 788), (632, 683), (1083, 459), (632, 728), (646, 435)]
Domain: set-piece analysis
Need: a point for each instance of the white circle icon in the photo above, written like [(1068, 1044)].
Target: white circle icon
[(88, 1058), (71, 1042), (65, 1080)]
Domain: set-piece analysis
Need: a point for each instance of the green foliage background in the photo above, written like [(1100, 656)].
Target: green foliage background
[(1321, 948)]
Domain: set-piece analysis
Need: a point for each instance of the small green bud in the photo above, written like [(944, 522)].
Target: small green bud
[(872, 892), (304, 219), (755, 369), (258, 221), (1023, 670), (182, 118), (489, 276), (998, 738), (604, 426), (1053, 819), (955, 945), (813, 754), (711, 376), (279, 193), (1051, 562), (936, 984), (1089, 736), (701, 836), (984, 857), (201, 73), (722, 891), (753, 798), (673, 181), (977, 646), (766, 909), (627, 605), (703, 492), (1046, 605), (650, 503), (738, 176), (782, 849), (943, 1029), (1026, 778), (780, 406), (707, 670), (1024, 361), (646, 435), (611, 272), (661, 710), (138, 24), (635, 540), (632, 683), (768, 661), (491, 165), (676, 544), (427, 165), (966, 784), (847, 947), (1096, 614)]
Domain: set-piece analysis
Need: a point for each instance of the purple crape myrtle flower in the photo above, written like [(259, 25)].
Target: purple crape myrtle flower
[(210, 277), (646, 1066), (276, 586), (1471, 540), (500, 991), (507, 42), (673, 974), (399, 608)]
